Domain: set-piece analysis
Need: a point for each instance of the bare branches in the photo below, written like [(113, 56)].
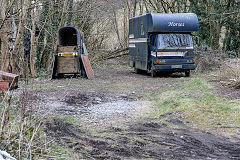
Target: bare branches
[(103, 22), (6, 15)]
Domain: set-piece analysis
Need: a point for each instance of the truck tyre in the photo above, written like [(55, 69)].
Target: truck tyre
[(187, 73), (153, 73), (60, 75)]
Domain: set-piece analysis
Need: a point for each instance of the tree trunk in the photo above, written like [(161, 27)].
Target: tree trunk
[(64, 11), (211, 24), (4, 38), (115, 24), (134, 7), (125, 26), (164, 6), (32, 51), (54, 23), (4, 49), (218, 34), (70, 13), (146, 6), (23, 14), (140, 7), (54, 30)]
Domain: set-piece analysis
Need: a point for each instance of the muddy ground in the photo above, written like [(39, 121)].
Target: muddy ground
[(144, 140), (105, 118)]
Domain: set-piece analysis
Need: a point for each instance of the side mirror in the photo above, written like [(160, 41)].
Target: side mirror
[(197, 40)]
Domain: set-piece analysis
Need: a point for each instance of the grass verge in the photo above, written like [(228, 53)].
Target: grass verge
[(195, 104)]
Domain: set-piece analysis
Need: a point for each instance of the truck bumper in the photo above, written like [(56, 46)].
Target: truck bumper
[(175, 68)]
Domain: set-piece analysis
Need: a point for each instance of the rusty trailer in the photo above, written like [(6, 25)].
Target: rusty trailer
[(72, 56), (8, 81)]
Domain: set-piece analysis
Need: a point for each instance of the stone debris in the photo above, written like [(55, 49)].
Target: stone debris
[(6, 156)]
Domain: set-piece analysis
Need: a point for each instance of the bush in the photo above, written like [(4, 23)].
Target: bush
[(208, 60)]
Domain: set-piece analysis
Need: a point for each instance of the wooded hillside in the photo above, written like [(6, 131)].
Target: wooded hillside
[(28, 29)]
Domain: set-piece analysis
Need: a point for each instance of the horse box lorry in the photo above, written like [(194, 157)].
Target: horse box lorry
[(162, 42)]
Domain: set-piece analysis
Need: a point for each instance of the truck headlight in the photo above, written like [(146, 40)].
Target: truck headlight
[(191, 61), (160, 61)]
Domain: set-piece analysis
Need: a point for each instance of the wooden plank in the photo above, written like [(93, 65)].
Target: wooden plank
[(54, 68), (67, 49), (8, 74), (87, 66), (68, 65)]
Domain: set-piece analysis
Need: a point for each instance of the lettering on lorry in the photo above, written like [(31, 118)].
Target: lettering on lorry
[(173, 24)]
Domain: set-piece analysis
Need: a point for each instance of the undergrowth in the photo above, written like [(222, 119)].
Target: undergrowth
[(21, 132), (208, 60), (224, 67), (228, 74)]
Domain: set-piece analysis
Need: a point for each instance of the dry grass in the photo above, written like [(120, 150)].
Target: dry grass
[(21, 131), (228, 74), (224, 67), (209, 60)]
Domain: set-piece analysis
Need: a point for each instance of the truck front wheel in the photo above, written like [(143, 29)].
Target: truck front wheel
[(187, 73), (153, 72)]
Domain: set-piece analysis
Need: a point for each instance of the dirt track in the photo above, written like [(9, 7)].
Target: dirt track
[(144, 140), (107, 119)]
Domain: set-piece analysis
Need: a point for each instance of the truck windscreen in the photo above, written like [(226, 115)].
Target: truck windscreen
[(174, 41)]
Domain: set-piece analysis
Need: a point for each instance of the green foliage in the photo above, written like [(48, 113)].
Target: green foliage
[(219, 20), (200, 8), (44, 48), (222, 14)]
